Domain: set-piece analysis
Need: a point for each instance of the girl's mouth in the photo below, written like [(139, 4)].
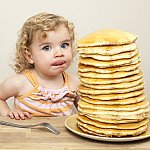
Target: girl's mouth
[(58, 63)]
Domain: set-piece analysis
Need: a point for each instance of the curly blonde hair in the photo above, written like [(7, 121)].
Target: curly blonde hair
[(41, 22)]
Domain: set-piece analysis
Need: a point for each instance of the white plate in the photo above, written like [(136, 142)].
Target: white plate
[(71, 124)]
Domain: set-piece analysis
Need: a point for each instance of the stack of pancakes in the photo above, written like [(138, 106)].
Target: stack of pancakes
[(112, 99)]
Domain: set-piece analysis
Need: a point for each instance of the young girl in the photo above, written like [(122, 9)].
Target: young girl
[(41, 87)]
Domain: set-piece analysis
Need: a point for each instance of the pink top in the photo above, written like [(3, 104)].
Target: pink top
[(41, 101)]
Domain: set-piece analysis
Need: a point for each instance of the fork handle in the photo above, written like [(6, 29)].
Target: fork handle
[(16, 125)]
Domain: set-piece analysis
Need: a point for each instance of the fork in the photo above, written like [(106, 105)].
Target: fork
[(43, 124)]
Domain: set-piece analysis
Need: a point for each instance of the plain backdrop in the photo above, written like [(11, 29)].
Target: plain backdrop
[(87, 15)]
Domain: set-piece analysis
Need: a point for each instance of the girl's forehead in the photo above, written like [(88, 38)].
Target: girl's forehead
[(59, 32), (49, 29), (59, 35)]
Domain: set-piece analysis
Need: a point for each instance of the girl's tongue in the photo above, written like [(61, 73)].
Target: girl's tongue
[(57, 63)]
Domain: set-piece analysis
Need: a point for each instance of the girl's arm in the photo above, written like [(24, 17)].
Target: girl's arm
[(76, 101), (74, 83), (7, 90), (10, 88), (4, 108)]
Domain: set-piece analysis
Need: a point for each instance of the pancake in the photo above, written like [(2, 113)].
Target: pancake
[(125, 101), (107, 37), (99, 124), (88, 68), (111, 80), (114, 86), (110, 132), (107, 50), (124, 55), (116, 115), (86, 90), (105, 64), (111, 120), (125, 107), (114, 75), (115, 96)]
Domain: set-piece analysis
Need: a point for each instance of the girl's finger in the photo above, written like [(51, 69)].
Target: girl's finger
[(21, 115), (11, 115), (28, 115), (16, 115)]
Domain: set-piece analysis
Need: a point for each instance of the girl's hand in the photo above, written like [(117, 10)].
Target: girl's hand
[(17, 114)]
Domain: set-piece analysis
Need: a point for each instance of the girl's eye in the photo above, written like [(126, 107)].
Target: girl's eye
[(47, 48), (64, 45)]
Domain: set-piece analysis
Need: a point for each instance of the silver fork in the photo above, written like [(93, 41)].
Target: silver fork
[(43, 124)]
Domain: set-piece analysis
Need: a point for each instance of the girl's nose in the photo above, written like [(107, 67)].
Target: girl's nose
[(58, 52)]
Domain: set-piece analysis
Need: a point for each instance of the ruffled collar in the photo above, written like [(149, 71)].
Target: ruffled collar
[(51, 94)]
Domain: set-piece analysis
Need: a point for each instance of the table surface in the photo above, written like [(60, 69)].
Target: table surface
[(41, 139)]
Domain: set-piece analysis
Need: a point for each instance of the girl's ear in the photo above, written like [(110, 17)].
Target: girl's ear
[(28, 56)]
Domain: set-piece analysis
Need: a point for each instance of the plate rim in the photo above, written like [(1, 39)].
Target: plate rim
[(101, 138)]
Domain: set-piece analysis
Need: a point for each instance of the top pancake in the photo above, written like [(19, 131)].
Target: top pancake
[(107, 37)]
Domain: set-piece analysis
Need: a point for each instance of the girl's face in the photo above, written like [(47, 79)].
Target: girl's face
[(53, 54)]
